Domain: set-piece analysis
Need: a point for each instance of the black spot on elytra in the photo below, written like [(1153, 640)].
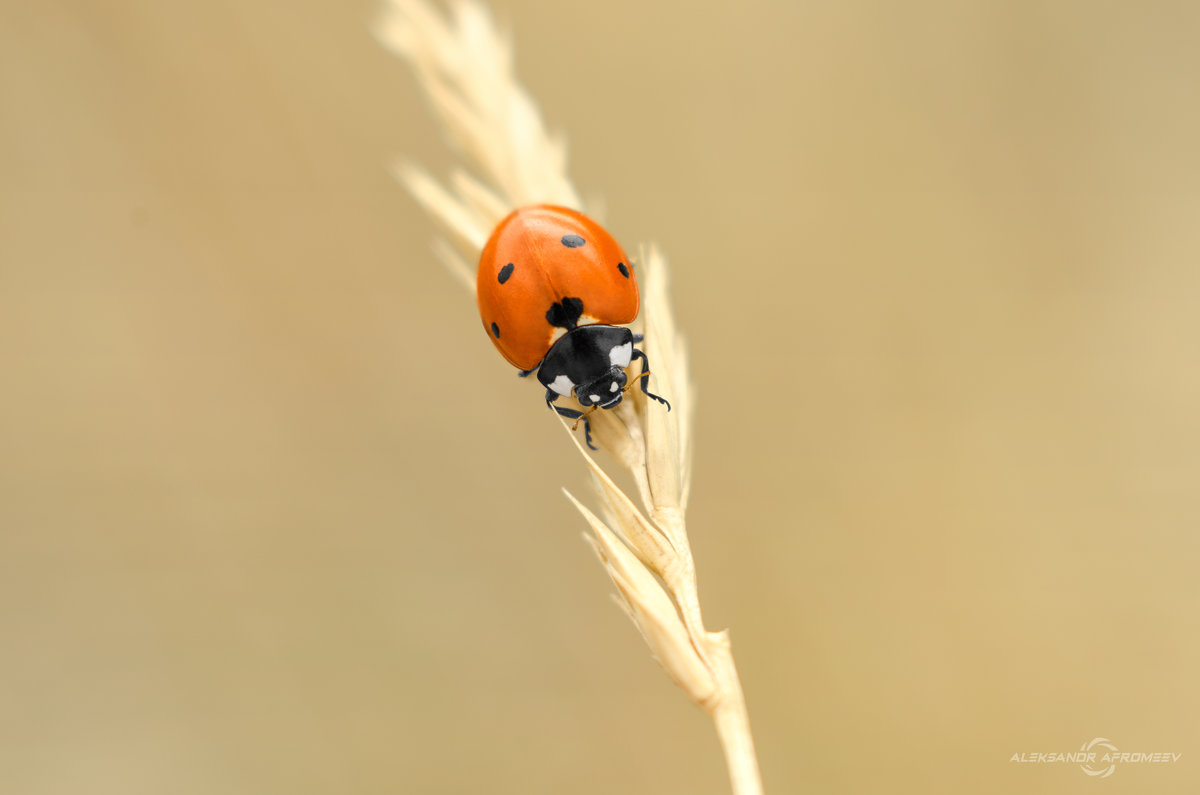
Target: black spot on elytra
[(505, 272), (565, 313), (572, 241), (624, 271), (495, 331)]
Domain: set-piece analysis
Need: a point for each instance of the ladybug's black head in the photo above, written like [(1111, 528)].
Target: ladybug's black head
[(605, 392), (588, 363)]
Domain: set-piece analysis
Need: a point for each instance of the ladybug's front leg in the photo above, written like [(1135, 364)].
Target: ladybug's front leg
[(645, 377), (571, 414)]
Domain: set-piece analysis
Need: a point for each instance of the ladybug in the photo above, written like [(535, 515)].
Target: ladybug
[(555, 291)]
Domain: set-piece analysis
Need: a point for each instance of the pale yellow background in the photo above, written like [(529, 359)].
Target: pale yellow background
[(276, 519)]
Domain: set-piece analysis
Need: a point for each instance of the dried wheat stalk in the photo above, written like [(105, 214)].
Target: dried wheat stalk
[(466, 70)]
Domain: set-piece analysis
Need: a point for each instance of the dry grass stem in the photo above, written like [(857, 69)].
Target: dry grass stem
[(466, 70)]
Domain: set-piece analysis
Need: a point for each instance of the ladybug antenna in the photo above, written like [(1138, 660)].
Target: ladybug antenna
[(633, 381), (583, 417)]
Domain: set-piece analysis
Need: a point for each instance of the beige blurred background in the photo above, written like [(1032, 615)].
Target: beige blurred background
[(276, 519)]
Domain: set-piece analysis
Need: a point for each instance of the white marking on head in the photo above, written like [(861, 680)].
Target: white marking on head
[(613, 387), (562, 385), (620, 355), (594, 398)]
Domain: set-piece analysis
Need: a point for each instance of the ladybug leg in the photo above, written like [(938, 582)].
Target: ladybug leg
[(637, 338), (571, 414), (587, 434), (644, 378), (527, 373)]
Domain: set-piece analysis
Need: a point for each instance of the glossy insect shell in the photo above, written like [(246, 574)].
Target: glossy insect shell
[(537, 257)]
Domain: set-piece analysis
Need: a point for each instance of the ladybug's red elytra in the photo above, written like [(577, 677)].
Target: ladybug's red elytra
[(555, 290)]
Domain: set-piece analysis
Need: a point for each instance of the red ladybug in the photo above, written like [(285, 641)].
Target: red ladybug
[(554, 291)]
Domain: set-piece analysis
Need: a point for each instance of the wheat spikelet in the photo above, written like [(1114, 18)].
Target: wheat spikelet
[(465, 69)]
